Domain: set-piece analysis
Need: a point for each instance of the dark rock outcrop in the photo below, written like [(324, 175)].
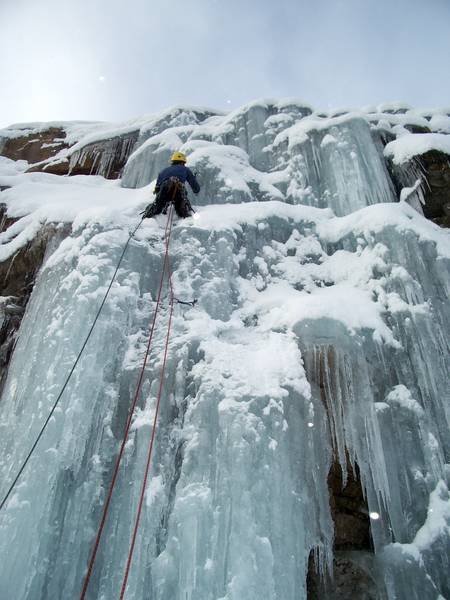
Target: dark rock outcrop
[(56, 167), (17, 277), (34, 147), (351, 580), (353, 548), (433, 168), (349, 510), (436, 166), (105, 157)]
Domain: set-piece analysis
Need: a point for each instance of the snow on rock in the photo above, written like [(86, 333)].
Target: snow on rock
[(437, 523), (36, 199), (374, 219), (407, 194), (10, 167), (402, 396), (408, 146)]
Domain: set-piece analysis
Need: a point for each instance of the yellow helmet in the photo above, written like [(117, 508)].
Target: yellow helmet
[(179, 156)]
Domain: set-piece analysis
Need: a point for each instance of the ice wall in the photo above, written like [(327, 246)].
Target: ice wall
[(309, 160), (320, 332)]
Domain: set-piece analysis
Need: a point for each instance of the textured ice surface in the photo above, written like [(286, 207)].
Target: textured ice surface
[(280, 146), (314, 335)]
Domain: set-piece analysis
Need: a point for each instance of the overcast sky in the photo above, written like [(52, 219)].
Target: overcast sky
[(115, 59)]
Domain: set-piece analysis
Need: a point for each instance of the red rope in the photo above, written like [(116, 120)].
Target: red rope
[(152, 440), (167, 233)]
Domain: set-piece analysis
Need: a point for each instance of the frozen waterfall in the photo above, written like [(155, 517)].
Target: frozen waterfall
[(320, 335)]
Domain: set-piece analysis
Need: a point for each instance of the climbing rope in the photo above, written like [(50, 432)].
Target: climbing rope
[(55, 404), (152, 438), (172, 300), (165, 267)]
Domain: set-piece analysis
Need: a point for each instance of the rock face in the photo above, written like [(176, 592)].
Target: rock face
[(349, 510), (433, 170), (34, 147), (351, 580), (353, 558), (17, 278), (48, 151), (107, 158), (436, 168)]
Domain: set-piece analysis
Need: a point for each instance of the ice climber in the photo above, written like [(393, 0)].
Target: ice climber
[(170, 187)]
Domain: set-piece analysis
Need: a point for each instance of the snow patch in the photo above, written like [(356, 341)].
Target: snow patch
[(407, 147)]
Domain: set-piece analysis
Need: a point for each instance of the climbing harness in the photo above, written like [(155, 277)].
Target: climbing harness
[(170, 187), (174, 185), (55, 404), (165, 269)]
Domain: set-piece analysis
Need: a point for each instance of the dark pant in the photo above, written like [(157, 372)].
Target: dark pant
[(171, 191)]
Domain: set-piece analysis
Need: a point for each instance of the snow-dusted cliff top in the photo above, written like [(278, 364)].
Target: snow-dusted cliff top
[(293, 117)]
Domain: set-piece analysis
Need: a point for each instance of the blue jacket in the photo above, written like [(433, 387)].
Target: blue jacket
[(182, 173)]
